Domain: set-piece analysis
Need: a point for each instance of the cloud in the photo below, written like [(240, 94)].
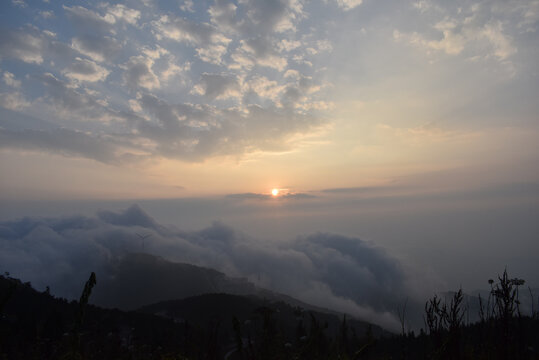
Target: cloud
[(110, 75), (138, 73), (98, 48), (274, 15), (263, 16), (14, 120), (27, 46), (64, 96), (218, 86), (257, 30), (501, 44), (211, 45), (27, 133), (33, 46), (260, 50), (194, 132), (62, 141), (89, 20), (86, 70), (358, 189), (13, 100), (69, 101), (284, 196), (187, 6), (173, 69), (123, 13), (132, 216), (224, 15), (46, 14), (212, 53), (348, 4), (423, 5), (473, 30), (341, 261), (343, 273), (190, 132), (288, 45), (249, 196), (9, 80), (180, 29), (264, 87), (156, 53), (19, 3), (297, 93)]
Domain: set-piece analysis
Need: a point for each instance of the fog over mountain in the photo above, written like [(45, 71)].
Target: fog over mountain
[(341, 273), (354, 155)]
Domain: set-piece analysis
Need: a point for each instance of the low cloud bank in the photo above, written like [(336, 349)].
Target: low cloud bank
[(284, 196), (341, 273)]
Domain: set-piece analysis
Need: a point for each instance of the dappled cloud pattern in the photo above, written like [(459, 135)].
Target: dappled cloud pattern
[(136, 81)]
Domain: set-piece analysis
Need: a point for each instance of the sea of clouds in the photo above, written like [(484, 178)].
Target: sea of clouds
[(341, 273)]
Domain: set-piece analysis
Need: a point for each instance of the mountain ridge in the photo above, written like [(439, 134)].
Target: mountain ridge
[(140, 279)]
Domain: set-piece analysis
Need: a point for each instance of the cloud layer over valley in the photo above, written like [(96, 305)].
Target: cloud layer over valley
[(341, 273)]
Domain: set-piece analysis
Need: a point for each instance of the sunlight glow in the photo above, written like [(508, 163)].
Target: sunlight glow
[(275, 192)]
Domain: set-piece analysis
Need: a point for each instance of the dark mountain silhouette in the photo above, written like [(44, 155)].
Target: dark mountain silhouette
[(139, 279), (36, 323), (223, 326), (208, 309)]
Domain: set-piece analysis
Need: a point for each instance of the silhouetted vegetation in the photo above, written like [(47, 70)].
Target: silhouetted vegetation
[(37, 325)]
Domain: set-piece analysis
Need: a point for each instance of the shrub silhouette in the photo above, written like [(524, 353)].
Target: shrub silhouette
[(34, 324), (75, 352)]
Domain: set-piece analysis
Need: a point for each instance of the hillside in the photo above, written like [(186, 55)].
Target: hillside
[(203, 327), (139, 279), (38, 325), (207, 310), (223, 326)]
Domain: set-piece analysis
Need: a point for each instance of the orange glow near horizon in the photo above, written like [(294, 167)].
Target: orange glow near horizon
[(274, 192)]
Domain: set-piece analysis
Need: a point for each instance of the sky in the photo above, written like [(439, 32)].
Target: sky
[(411, 125)]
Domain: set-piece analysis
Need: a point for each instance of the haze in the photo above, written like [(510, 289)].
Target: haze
[(409, 129)]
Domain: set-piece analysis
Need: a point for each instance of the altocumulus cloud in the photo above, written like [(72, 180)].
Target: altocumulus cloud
[(256, 75), (107, 77), (342, 273)]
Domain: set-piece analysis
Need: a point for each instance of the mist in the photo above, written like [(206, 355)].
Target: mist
[(484, 229), (333, 271)]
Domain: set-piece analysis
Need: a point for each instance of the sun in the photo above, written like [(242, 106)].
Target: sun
[(274, 192)]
